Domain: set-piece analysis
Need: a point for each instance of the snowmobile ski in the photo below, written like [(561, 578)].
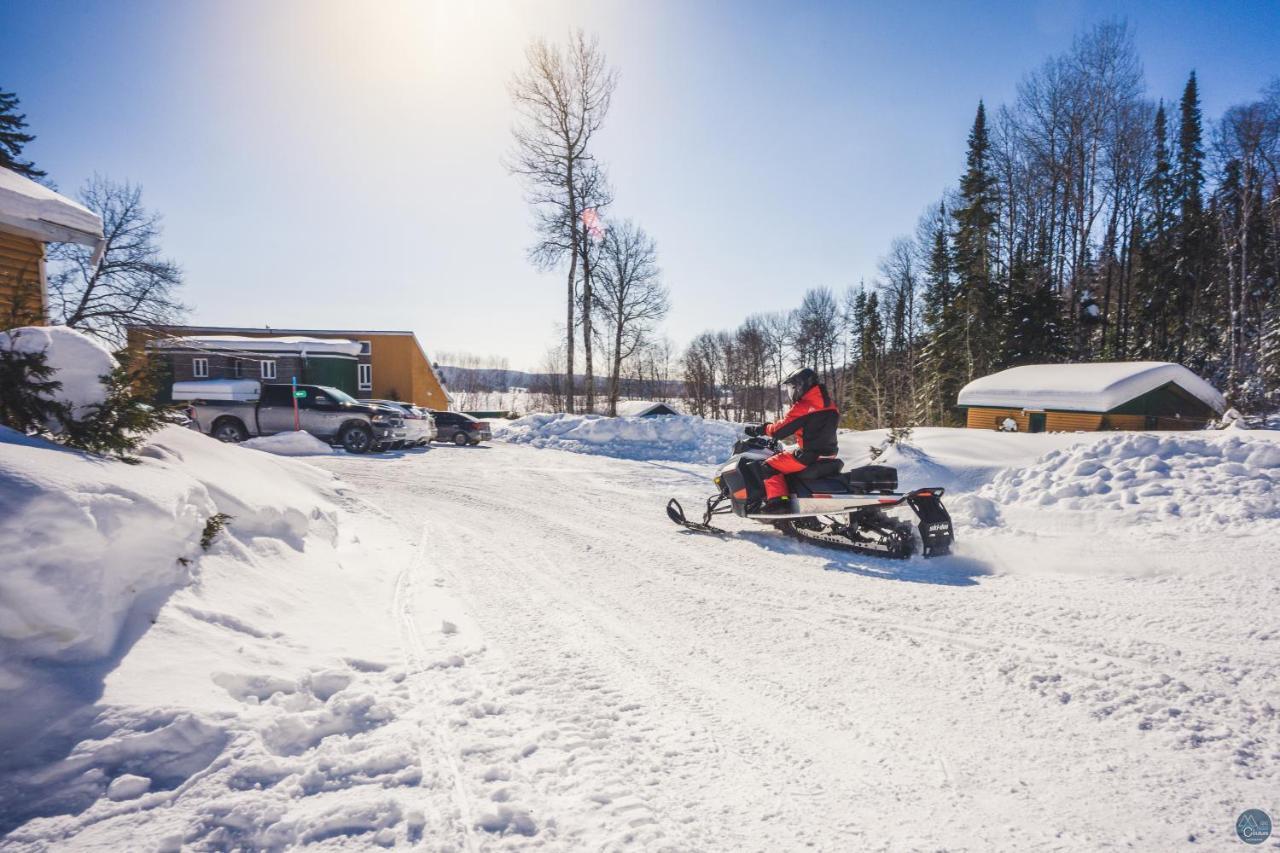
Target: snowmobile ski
[(675, 512)]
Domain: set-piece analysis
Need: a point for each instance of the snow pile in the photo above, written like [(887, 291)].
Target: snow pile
[(80, 362), (677, 439), (91, 547), (83, 540), (1208, 481), (959, 460), (300, 443), (127, 647)]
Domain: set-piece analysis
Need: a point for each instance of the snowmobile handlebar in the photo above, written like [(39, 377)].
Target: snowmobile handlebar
[(756, 442)]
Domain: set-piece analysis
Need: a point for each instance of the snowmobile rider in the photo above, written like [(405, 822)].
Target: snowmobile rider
[(812, 419)]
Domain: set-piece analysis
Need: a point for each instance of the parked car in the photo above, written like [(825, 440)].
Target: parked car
[(235, 410), (419, 425), (460, 429)]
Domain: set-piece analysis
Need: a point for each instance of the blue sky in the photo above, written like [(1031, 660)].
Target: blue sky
[(335, 165)]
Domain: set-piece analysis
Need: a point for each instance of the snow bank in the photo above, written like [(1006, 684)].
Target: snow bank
[(1207, 481), (957, 459), (86, 540), (80, 362), (137, 667), (82, 540), (678, 439), (290, 444)]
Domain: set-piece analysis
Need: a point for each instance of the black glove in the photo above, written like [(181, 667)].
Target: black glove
[(754, 430)]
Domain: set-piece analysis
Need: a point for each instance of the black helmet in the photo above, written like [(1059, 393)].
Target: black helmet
[(800, 382)]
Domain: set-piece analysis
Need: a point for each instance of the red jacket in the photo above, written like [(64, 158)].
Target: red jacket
[(813, 421)]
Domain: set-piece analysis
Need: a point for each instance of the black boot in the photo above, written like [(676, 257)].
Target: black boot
[(776, 506)]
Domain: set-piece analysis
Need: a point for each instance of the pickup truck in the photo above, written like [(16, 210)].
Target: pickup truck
[(327, 413)]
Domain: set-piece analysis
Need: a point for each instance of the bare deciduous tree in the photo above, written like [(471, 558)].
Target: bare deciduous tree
[(630, 298), (132, 285), (561, 99)]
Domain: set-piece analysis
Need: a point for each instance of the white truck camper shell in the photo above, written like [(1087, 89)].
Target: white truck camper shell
[(220, 390)]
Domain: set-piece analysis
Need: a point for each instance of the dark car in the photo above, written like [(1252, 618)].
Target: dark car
[(460, 429)]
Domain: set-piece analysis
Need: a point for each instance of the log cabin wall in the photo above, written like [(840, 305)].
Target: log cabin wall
[(21, 281), (990, 418), (1072, 422)]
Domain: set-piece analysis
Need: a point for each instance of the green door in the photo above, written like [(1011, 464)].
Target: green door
[(1037, 421), (337, 373)]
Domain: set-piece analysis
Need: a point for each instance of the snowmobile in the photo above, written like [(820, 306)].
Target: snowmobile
[(826, 505)]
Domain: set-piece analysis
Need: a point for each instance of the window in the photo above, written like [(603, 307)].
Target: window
[(277, 395), (366, 376), (200, 368), (268, 369), (366, 347), (237, 369)]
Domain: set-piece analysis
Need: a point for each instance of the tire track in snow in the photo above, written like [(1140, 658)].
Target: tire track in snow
[(1183, 704), (439, 755), (794, 800)]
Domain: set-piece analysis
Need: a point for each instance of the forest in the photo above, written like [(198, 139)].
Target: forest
[(1090, 223)]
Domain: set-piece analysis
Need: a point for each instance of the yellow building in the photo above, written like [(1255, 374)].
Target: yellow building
[(32, 215), (391, 365)]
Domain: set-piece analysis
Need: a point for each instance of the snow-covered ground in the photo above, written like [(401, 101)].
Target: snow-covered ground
[(510, 646)]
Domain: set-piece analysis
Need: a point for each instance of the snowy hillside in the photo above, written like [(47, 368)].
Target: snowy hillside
[(510, 646)]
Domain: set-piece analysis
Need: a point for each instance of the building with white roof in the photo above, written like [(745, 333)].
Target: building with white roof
[(644, 409), (1098, 396)]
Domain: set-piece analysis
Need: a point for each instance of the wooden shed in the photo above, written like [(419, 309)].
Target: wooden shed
[(32, 215), (1122, 395)]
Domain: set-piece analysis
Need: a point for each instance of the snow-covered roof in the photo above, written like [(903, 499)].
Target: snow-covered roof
[(1097, 387), (35, 211), (245, 343), (642, 408)]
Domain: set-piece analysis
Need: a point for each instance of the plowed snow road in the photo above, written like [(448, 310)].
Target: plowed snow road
[(590, 676)]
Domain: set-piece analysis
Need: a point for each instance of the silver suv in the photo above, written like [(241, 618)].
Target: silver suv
[(419, 426)]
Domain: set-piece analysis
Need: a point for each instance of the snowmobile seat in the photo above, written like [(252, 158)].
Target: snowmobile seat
[(823, 476), (821, 469), (872, 478)]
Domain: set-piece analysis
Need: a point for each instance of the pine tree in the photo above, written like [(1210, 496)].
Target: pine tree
[(13, 139), (1190, 174), (1155, 279), (1192, 244), (27, 390), (120, 424), (941, 357), (975, 220)]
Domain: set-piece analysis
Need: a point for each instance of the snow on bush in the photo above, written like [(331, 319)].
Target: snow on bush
[(80, 362), (290, 444), (1207, 480), (678, 439)]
